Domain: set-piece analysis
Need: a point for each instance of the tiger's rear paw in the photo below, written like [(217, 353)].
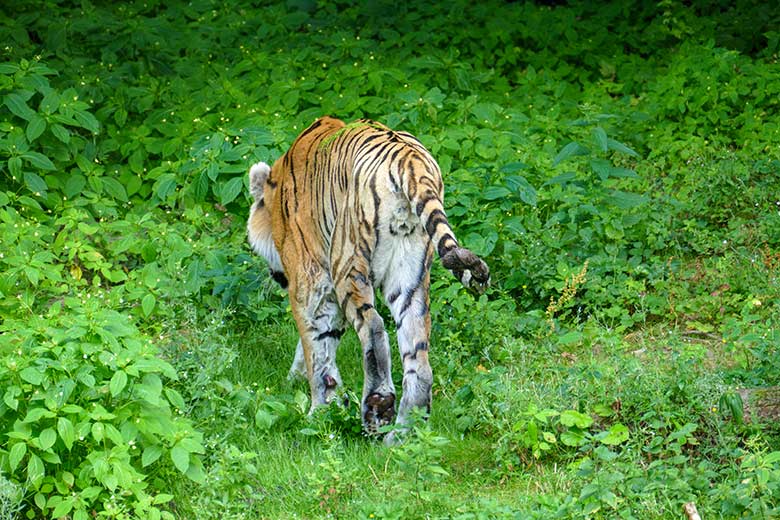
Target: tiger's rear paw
[(378, 411), (470, 269)]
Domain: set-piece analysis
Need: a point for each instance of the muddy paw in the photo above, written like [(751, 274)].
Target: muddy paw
[(379, 411)]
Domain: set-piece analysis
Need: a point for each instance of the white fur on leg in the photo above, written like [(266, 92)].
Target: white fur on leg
[(298, 368)]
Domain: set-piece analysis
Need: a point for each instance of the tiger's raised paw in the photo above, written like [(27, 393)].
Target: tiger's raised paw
[(470, 269), (379, 410)]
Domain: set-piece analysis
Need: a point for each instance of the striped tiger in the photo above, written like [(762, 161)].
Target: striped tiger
[(348, 208)]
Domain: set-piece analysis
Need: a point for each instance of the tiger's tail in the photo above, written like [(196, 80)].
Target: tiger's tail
[(425, 195)]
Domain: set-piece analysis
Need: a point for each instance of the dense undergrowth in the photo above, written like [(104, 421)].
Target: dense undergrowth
[(618, 166)]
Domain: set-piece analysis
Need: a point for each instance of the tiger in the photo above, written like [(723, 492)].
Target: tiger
[(347, 209)]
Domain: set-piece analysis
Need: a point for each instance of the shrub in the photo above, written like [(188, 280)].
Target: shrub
[(88, 414)]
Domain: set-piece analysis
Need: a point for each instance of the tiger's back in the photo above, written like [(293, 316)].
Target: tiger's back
[(346, 209)]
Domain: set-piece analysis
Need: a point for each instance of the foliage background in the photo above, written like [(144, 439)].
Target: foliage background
[(617, 165)]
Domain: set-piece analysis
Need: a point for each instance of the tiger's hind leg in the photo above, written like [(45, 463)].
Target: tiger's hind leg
[(320, 325), (406, 291), (298, 368), (357, 296)]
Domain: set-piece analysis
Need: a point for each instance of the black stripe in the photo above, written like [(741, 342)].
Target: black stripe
[(335, 334), (422, 345), (362, 309), (423, 201), (375, 195), (313, 126), (394, 296), (436, 217), (443, 248), (279, 278)]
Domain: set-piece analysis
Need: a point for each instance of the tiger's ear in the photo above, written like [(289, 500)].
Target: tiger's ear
[(258, 174)]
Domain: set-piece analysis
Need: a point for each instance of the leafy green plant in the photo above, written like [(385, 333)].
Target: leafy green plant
[(88, 415), (538, 433), (418, 456), (756, 493), (334, 483)]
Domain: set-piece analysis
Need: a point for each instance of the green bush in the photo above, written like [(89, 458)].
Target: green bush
[(90, 418)]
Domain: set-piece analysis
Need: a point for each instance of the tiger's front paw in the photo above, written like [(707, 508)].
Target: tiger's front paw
[(378, 411)]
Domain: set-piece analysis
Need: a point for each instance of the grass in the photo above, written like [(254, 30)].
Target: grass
[(655, 380)]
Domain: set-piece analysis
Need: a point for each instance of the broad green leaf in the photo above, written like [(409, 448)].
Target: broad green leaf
[(66, 431), (573, 438), (10, 396), (87, 120), (180, 458), (150, 389), (63, 508), (120, 116), (47, 438), (50, 102), (114, 188), (165, 186), (620, 147), (39, 160), (147, 304), (772, 458), (522, 189), (35, 469), (162, 498), (617, 434), (600, 137), (36, 414), (575, 418), (570, 150), (18, 106), (114, 434), (16, 454), (35, 127), (191, 445), (98, 431), (34, 183), (74, 185), (627, 200), (513, 167), (118, 382), (496, 192), (195, 472), (175, 398), (212, 170), (15, 167), (150, 454), (231, 189), (32, 375), (201, 186), (61, 133), (264, 419)]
